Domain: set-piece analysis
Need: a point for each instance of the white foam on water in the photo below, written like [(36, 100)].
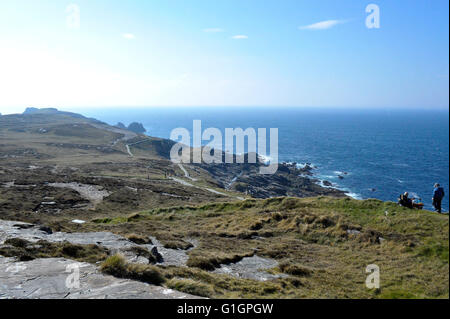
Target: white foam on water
[(342, 173), (321, 183), (327, 177), (354, 195), (265, 159), (345, 190), (303, 165)]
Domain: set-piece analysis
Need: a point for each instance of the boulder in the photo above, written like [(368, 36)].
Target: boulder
[(46, 229), (157, 255), (327, 183)]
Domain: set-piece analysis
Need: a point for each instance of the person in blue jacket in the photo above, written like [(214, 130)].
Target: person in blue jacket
[(438, 195)]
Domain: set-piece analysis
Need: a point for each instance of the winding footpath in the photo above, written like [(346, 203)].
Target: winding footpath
[(186, 174), (128, 147), (183, 182), (181, 167)]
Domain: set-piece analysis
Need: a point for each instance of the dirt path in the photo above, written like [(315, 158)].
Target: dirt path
[(127, 135), (183, 182), (129, 151), (128, 147), (186, 173)]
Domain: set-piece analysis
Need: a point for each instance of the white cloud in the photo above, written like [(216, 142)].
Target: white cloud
[(213, 30), (323, 25), (239, 37), (129, 36)]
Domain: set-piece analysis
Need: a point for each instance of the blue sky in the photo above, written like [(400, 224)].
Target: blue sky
[(223, 52)]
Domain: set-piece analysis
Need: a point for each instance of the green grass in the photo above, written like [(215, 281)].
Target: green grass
[(117, 266), (434, 249), (309, 239), (25, 250), (192, 287)]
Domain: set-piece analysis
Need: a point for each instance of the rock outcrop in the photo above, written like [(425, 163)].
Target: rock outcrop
[(121, 126), (137, 128), (56, 278)]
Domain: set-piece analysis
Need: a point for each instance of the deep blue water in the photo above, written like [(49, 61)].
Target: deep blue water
[(391, 151)]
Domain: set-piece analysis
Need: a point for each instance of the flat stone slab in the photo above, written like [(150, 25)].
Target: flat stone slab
[(172, 257), (115, 243), (53, 278), (250, 268), (93, 193), (32, 233)]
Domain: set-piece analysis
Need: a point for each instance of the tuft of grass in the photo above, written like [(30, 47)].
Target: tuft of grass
[(192, 287), (178, 244), (210, 262), (204, 283), (138, 239), (203, 263), (117, 266), (108, 220), (17, 242), (295, 270), (397, 294), (25, 250)]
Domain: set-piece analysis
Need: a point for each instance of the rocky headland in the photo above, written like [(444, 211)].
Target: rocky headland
[(77, 190)]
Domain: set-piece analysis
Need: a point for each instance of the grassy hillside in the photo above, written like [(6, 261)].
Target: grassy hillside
[(323, 245)]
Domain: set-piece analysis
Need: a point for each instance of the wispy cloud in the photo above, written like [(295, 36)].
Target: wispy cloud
[(129, 36), (213, 30), (239, 37), (323, 25)]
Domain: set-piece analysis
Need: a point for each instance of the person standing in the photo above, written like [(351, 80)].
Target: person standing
[(438, 195)]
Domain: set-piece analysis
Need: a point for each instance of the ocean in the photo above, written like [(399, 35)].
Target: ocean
[(379, 153)]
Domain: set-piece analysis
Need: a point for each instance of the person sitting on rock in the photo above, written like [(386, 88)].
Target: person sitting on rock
[(405, 201)]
